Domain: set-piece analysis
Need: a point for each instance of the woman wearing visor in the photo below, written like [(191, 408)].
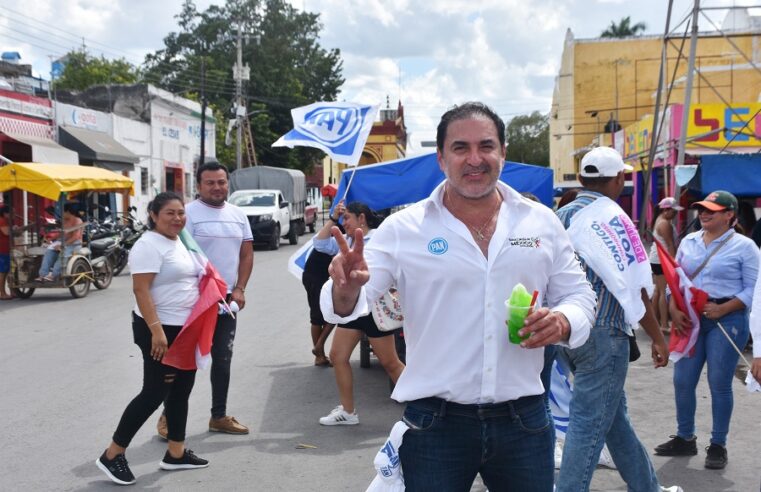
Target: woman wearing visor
[(724, 264)]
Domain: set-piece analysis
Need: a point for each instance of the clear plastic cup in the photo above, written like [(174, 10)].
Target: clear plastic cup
[(516, 316)]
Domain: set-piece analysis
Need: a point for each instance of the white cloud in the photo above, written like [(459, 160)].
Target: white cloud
[(504, 52)]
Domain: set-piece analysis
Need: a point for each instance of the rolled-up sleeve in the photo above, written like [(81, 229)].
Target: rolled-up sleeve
[(327, 246), (569, 291), (379, 255), (326, 305)]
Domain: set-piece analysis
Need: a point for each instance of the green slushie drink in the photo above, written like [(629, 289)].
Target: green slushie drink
[(517, 309)]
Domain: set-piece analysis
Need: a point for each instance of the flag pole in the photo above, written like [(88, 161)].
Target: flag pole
[(742, 357), (351, 178)]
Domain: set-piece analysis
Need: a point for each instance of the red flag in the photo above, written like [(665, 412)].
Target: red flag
[(689, 299), (192, 347)]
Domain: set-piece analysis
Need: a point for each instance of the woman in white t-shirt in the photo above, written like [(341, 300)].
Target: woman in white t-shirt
[(165, 283)]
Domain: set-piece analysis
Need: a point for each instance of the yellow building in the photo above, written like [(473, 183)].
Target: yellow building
[(605, 85), (387, 142)]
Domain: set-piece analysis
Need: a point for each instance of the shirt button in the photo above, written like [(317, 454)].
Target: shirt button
[(488, 304), (488, 369)]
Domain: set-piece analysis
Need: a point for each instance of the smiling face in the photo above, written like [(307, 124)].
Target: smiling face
[(716, 222), (213, 187), (170, 220), (472, 157), (353, 221)]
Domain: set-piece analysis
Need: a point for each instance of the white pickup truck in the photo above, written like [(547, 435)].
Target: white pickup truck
[(269, 215)]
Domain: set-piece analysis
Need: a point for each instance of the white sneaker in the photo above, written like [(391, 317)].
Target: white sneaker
[(338, 416), (673, 488), (606, 460)]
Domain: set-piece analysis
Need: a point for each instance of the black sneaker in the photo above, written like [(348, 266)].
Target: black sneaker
[(677, 447), (716, 458), (186, 462), (116, 469)]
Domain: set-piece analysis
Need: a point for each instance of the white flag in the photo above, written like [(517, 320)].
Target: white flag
[(605, 237), (340, 129)]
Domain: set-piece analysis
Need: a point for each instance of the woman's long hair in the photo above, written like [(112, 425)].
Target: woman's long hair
[(158, 202), (358, 208)]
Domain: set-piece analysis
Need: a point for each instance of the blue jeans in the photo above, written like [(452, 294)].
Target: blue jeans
[(448, 444), (52, 262), (711, 348), (598, 415)]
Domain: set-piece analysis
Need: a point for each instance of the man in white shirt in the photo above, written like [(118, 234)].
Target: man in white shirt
[(474, 400), (224, 234)]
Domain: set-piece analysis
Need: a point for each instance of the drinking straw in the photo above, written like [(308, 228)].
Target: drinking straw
[(533, 301)]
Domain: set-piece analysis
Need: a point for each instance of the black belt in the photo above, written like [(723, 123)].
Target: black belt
[(478, 410), (720, 300)]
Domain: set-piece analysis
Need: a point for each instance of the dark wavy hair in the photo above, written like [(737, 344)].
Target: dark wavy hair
[(464, 111), (160, 202), (357, 208)]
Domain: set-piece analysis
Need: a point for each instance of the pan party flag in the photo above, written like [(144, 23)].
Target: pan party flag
[(340, 129)]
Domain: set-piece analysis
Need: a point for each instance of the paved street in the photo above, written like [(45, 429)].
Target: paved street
[(69, 368)]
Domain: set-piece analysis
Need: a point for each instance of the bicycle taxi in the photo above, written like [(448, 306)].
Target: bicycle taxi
[(59, 183)]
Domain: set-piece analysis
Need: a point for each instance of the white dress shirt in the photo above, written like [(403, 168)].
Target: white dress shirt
[(453, 297)]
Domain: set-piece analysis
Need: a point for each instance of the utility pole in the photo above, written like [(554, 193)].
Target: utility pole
[(202, 158), (239, 98)]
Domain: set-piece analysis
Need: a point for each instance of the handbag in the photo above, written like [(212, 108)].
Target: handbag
[(387, 311)]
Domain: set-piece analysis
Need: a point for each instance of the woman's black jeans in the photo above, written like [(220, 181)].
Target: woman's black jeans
[(160, 383)]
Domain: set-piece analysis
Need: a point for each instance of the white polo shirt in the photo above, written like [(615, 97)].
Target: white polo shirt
[(453, 297), (219, 231)]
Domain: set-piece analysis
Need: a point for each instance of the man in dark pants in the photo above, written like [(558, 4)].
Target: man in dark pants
[(224, 233)]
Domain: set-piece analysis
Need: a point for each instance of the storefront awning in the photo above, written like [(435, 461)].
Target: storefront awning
[(46, 150), (99, 148)]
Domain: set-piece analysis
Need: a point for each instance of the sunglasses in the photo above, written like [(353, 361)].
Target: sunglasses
[(703, 210)]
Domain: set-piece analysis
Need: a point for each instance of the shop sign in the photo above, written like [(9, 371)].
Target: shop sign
[(738, 125)]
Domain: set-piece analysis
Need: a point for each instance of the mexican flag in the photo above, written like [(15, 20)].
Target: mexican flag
[(192, 348), (689, 299)]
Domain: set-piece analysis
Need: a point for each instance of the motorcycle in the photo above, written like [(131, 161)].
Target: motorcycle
[(58, 182)]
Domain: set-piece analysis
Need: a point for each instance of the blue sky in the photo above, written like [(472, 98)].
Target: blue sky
[(503, 52)]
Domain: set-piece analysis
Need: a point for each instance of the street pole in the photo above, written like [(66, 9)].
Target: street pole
[(687, 91), (655, 132), (202, 158), (239, 98)]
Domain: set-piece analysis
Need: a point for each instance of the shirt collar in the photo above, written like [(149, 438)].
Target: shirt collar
[(589, 194), (699, 235)]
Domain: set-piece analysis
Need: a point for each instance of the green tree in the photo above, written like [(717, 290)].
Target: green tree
[(528, 139), (623, 29), (83, 70), (288, 66)]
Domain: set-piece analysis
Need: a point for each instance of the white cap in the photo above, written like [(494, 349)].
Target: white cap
[(603, 162), (669, 202)]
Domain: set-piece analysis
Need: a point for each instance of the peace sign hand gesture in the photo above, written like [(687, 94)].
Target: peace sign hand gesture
[(349, 272)]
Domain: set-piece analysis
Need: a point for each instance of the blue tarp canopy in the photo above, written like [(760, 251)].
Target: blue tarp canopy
[(739, 174), (404, 181)]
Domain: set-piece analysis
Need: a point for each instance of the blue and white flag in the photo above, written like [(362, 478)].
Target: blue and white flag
[(340, 129), (298, 260)]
